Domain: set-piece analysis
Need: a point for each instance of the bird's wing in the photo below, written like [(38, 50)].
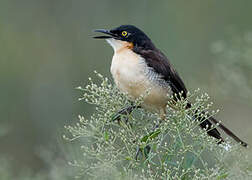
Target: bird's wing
[(161, 65)]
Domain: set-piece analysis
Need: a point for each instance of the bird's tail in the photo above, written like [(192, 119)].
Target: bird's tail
[(228, 132), (207, 124)]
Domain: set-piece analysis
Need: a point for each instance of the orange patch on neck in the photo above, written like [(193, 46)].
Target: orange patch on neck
[(126, 46), (130, 45)]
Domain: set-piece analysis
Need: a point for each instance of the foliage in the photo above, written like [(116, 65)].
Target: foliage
[(178, 148)]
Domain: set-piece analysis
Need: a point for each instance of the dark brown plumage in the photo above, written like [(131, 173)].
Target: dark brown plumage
[(160, 64)]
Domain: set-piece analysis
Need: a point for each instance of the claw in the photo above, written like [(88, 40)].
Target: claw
[(124, 111)]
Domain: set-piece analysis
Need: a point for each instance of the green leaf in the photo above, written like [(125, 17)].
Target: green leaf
[(106, 136), (222, 176), (152, 135), (128, 158), (115, 116)]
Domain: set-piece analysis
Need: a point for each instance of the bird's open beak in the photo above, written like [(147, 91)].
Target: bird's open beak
[(111, 35)]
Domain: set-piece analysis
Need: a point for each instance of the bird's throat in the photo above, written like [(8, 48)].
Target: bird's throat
[(119, 45)]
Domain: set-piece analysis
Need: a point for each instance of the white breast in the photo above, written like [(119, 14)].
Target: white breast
[(129, 72)]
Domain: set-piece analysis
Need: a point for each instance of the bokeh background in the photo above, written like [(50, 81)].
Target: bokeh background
[(46, 50)]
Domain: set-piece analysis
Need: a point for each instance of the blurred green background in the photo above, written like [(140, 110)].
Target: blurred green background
[(46, 50)]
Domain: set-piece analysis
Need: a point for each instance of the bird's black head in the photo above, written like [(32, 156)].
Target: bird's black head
[(128, 33)]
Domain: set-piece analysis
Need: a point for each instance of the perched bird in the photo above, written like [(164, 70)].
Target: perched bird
[(138, 66)]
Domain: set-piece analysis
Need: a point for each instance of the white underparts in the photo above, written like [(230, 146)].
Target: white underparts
[(132, 76), (116, 44)]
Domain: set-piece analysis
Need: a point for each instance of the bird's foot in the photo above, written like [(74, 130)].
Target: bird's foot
[(124, 112)]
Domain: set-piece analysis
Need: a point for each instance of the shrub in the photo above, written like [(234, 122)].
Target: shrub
[(177, 149)]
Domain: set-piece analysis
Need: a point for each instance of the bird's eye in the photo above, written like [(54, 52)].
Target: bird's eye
[(124, 33)]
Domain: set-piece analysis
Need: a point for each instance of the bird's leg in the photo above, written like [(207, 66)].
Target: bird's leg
[(162, 117), (124, 111)]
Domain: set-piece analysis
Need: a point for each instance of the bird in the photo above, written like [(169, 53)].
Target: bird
[(139, 66)]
